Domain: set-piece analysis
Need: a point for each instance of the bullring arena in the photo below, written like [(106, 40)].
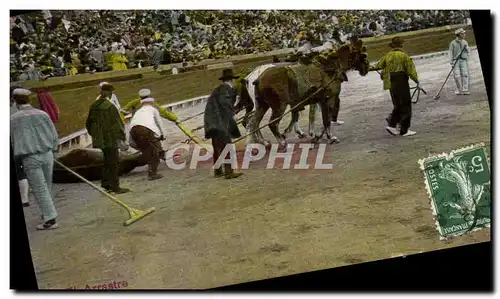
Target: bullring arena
[(209, 232)]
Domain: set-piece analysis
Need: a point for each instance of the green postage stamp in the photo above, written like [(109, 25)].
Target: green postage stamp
[(458, 185)]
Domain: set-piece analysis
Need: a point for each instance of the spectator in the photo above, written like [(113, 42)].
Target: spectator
[(194, 35)]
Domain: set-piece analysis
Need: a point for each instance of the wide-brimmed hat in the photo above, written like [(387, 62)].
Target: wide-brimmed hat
[(227, 74), (396, 42), (459, 30)]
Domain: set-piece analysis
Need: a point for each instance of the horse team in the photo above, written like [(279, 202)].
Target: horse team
[(313, 79)]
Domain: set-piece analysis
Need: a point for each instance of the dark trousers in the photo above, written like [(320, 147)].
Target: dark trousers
[(335, 108), (401, 99), (110, 178), (149, 145), (219, 142)]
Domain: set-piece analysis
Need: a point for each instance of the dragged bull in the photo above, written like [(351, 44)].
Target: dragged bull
[(289, 85), (88, 162)]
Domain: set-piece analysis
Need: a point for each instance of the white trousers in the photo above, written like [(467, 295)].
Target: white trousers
[(461, 75)]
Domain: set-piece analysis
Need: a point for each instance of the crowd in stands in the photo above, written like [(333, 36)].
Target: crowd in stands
[(60, 43)]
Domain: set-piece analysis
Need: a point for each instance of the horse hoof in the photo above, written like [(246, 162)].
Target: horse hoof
[(301, 135), (334, 140)]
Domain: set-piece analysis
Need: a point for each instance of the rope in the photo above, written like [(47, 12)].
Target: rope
[(191, 117), (238, 122), (286, 112), (417, 90)]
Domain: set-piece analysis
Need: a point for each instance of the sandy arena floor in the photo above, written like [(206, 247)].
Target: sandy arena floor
[(209, 232)]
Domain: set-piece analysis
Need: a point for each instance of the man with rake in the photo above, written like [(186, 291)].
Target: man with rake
[(459, 51)]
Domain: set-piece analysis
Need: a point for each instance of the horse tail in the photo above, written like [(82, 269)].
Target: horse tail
[(246, 100)]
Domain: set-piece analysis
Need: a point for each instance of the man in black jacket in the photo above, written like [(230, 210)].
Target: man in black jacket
[(219, 122)]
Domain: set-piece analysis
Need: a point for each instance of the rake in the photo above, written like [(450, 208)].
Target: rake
[(134, 214), (451, 71)]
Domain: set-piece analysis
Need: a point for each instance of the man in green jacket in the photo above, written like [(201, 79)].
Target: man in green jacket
[(397, 67), (108, 134)]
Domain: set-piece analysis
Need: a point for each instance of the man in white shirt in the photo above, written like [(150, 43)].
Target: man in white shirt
[(114, 98), (460, 50), (147, 133)]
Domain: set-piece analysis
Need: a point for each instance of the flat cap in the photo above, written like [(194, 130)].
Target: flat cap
[(459, 30), (144, 93), (21, 92)]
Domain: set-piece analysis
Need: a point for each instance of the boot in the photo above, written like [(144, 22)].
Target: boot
[(153, 171), (120, 190), (218, 172), (230, 174), (233, 175), (153, 175)]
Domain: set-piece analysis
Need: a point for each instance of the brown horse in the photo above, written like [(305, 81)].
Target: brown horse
[(281, 86)]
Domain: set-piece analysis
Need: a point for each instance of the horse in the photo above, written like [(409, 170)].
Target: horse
[(317, 77), (246, 90)]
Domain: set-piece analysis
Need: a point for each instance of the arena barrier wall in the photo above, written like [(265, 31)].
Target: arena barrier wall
[(82, 138)]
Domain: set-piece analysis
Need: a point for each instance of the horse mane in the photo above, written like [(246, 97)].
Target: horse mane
[(303, 58), (335, 54)]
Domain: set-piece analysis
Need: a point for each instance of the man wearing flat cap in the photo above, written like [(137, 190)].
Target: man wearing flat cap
[(106, 128), (147, 132), (113, 99), (459, 55), (397, 67), (34, 141), (219, 122)]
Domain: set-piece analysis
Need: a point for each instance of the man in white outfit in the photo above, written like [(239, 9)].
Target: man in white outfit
[(459, 54), (147, 132)]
